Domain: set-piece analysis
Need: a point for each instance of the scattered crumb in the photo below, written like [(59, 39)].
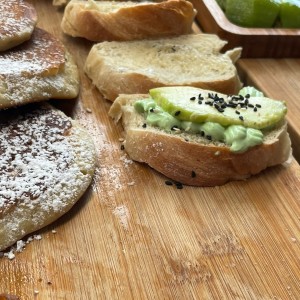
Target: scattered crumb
[(53, 231), (121, 140), (88, 110), (293, 239), (217, 153), (19, 246), (131, 183)]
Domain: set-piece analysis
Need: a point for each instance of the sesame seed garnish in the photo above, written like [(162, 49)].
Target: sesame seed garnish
[(209, 137), (122, 147), (175, 128), (177, 113), (193, 98), (193, 174), (199, 102), (202, 133), (255, 109), (247, 96), (237, 112), (168, 182), (241, 118), (258, 105), (144, 125), (151, 110), (179, 185)]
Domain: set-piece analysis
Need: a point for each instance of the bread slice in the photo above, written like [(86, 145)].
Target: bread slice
[(122, 21), (37, 70), (191, 159), (47, 162), (17, 22), (137, 66)]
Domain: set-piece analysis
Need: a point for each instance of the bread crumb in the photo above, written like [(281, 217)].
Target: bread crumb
[(131, 183), (88, 110), (53, 231), (293, 239)]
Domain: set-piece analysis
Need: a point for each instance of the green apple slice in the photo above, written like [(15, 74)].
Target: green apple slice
[(197, 105)]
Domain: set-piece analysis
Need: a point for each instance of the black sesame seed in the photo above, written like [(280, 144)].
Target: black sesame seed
[(168, 182), (237, 112), (199, 102), (241, 118), (144, 125), (220, 110), (202, 133), (193, 174), (179, 185), (122, 147), (208, 137), (193, 98), (177, 112), (250, 105), (258, 105), (247, 96), (216, 106), (151, 110)]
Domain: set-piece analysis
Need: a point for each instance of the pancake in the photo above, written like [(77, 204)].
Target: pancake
[(17, 22), (37, 70), (46, 163)]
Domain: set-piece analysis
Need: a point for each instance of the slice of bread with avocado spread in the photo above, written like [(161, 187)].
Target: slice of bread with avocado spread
[(203, 138)]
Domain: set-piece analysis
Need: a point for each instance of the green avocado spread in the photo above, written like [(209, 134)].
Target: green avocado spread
[(237, 136)]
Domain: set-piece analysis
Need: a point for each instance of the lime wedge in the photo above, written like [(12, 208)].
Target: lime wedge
[(252, 13), (290, 14)]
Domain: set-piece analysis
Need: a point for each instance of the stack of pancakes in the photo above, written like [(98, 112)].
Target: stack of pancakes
[(46, 159)]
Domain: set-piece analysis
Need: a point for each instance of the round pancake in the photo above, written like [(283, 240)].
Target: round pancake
[(43, 55), (46, 163), (17, 21)]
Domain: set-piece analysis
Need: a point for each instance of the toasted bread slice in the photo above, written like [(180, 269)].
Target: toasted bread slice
[(39, 69), (137, 66), (191, 159), (124, 21), (17, 22), (47, 163)]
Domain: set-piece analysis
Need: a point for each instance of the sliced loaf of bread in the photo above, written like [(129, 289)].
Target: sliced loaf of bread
[(137, 66), (122, 21)]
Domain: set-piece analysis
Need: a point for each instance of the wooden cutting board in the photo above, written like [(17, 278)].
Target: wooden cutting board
[(133, 237)]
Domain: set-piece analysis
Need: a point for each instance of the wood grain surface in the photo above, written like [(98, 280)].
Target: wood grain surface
[(133, 237)]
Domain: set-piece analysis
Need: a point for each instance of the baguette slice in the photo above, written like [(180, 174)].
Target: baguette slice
[(122, 21), (17, 22), (191, 159), (47, 162), (137, 66), (37, 70)]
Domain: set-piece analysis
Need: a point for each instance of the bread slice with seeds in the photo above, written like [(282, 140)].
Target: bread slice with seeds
[(47, 163), (123, 21), (37, 70), (137, 66), (17, 22), (192, 159)]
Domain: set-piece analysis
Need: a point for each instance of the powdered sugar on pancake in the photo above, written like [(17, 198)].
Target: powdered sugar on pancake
[(16, 16), (42, 54), (45, 165)]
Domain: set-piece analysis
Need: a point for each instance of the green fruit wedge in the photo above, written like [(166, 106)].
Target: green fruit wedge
[(290, 14), (252, 13), (197, 105)]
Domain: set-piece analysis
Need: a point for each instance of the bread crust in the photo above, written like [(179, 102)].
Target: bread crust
[(189, 162), (129, 22)]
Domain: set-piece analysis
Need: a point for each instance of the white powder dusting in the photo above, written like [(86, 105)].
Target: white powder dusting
[(122, 213), (14, 18), (43, 165), (19, 247), (43, 52)]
